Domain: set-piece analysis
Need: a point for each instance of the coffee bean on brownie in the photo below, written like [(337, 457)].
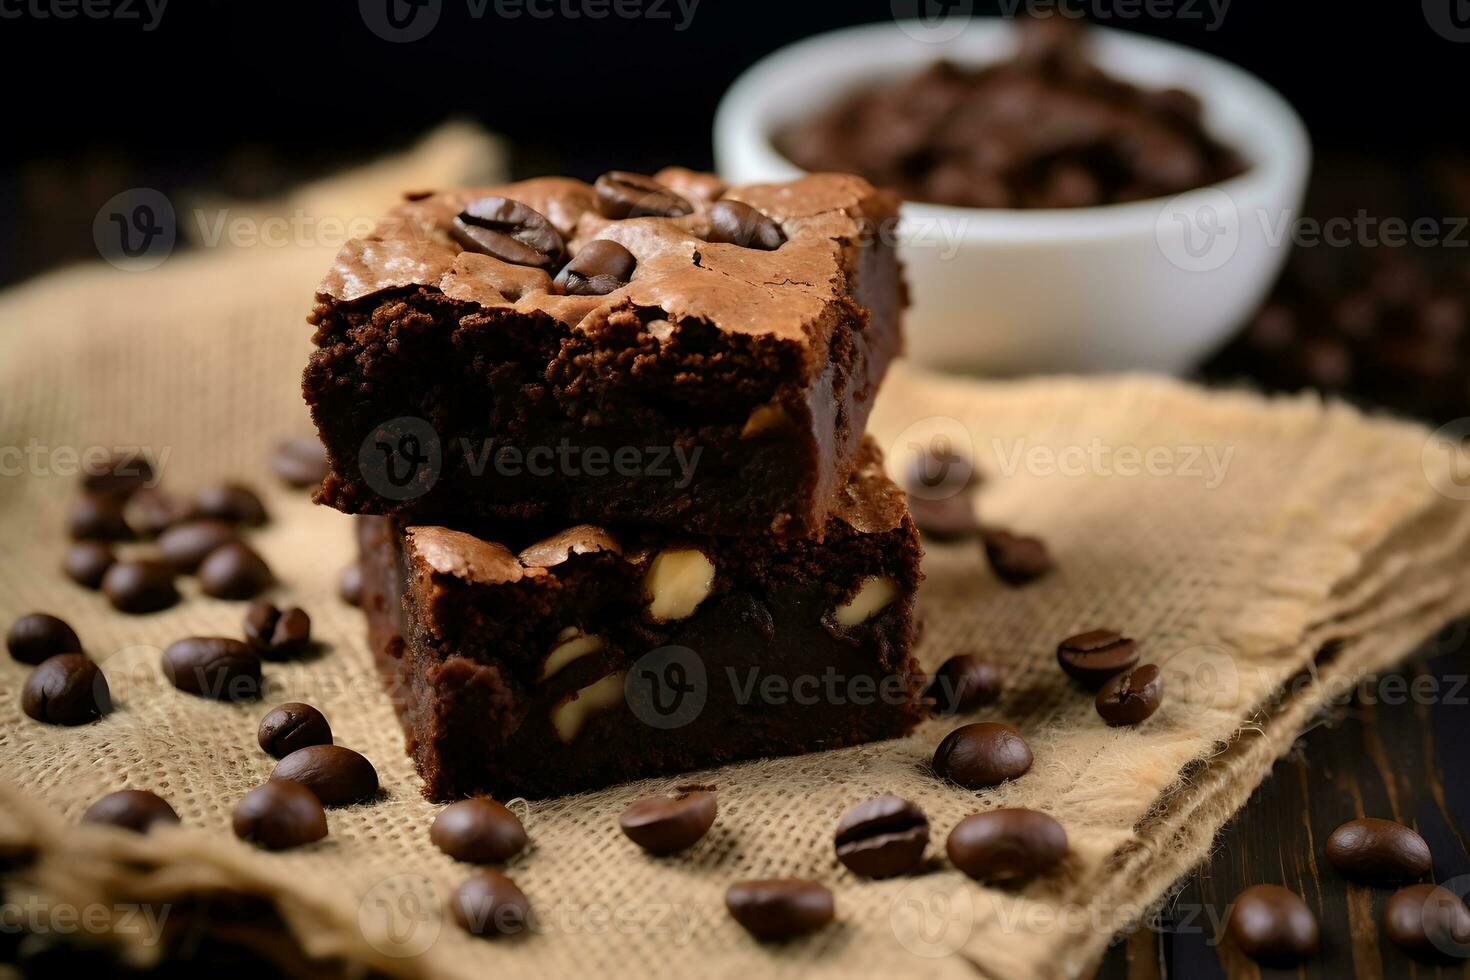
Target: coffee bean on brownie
[(291, 726), (186, 545), (349, 584), (1378, 852), (983, 754), (882, 837), (279, 815), (740, 224), (1016, 559), (599, 268), (1095, 657), (300, 461), (665, 824), (140, 586), (779, 908), (1006, 845), (1429, 922), (510, 231), (121, 476), (152, 511), (133, 809), (964, 682), (67, 689), (98, 518), (337, 775), (621, 194), (479, 831), (213, 667), (490, 904), (87, 561), (1273, 926), (234, 503), (36, 636), (234, 571), (1131, 697), (277, 634)]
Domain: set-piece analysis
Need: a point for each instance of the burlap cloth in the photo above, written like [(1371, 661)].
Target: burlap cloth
[(1314, 528)]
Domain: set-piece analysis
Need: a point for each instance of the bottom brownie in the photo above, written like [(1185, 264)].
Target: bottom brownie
[(534, 661)]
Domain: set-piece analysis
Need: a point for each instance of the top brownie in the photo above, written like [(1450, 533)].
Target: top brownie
[(664, 351)]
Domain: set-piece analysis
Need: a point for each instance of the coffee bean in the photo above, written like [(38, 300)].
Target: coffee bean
[(1006, 845), (277, 634), (349, 585), (945, 519), (186, 545), (490, 904), (1378, 852), (152, 511), (509, 231), (300, 461), (291, 726), (337, 775), (87, 561), (883, 837), (1095, 657), (964, 682), (621, 194), (213, 667), (234, 503), (133, 809), (279, 815), (1016, 559), (121, 476), (940, 471), (1273, 926), (234, 571), (598, 269), (98, 518), (740, 224), (140, 586), (983, 754), (67, 689), (1131, 697), (779, 908), (479, 831), (36, 636), (1429, 922), (665, 824)]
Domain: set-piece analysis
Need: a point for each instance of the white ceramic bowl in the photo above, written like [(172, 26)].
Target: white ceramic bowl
[(1150, 284)]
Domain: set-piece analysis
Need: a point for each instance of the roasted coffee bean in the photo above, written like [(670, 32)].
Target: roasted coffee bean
[(740, 224), (621, 194), (665, 824), (983, 754), (945, 519), (1006, 845), (1016, 559), (186, 545), (140, 586), (509, 231), (133, 809), (1131, 697), (337, 775), (279, 815), (1096, 657), (940, 471), (277, 634), (599, 268), (1273, 926), (36, 636), (98, 518), (234, 571), (291, 726), (1429, 922), (67, 689), (489, 904), (882, 837), (234, 503), (964, 682), (779, 908), (1378, 852), (151, 511), (479, 831), (300, 461), (121, 476), (87, 561), (349, 584), (213, 667)]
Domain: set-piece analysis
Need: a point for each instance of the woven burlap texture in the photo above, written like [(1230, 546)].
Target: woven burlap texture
[(1236, 536)]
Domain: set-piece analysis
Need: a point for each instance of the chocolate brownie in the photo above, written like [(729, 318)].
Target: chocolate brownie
[(665, 352), (540, 660)]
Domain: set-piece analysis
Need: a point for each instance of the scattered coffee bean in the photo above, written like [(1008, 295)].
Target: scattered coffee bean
[(479, 831), (1016, 559), (213, 667), (882, 837), (233, 503), (1378, 852), (349, 585), (665, 824), (740, 224), (1097, 656), (945, 519), (87, 561), (337, 775), (300, 461), (509, 231), (36, 636), (291, 726), (279, 815), (234, 571), (964, 682), (1273, 926), (98, 518), (1429, 922), (490, 904), (140, 586), (983, 754), (121, 476), (276, 634), (67, 689), (940, 471), (133, 809), (1131, 697), (1006, 845), (779, 908), (599, 268), (186, 545), (152, 511), (621, 194)]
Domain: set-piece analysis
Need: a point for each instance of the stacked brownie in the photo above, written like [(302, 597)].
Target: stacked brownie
[(619, 515)]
